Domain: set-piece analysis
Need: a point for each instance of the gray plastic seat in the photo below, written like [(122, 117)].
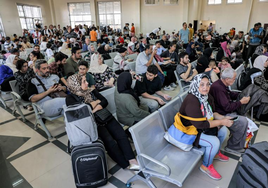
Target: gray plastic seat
[(157, 157), (238, 71), (181, 87), (109, 95), (109, 62), (113, 54), (2, 100), (17, 100), (132, 56), (38, 119)]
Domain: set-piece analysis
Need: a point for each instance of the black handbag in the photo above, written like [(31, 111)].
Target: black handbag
[(103, 116)]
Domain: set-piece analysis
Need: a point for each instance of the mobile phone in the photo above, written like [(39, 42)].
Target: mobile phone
[(234, 118), (56, 84)]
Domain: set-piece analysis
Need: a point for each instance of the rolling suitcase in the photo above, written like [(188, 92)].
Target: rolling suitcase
[(89, 163), (253, 172)]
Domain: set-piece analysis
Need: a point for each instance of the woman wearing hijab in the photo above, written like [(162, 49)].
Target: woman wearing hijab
[(112, 134), (191, 51), (224, 51), (6, 72), (261, 63), (103, 75), (203, 61), (129, 110), (211, 131)]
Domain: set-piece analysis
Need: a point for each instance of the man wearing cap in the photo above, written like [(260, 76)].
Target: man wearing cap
[(120, 62)]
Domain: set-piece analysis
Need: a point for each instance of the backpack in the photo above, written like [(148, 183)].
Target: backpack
[(80, 124), (241, 77)]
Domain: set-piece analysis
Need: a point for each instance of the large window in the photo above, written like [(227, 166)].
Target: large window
[(214, 2), (2, 32), (110, 14), (29, 15), (79, 13), (171, 2), (152, 2), (234, 1)]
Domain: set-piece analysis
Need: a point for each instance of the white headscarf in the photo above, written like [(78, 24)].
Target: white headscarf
[(203, 99), (95, 67), (64, 49), (259, 62), (9, 63)]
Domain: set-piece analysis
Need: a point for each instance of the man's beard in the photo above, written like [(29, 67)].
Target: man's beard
[(47, 74)]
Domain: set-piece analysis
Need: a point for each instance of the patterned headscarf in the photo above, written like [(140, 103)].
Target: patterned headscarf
[(194, 90), (74, 85)]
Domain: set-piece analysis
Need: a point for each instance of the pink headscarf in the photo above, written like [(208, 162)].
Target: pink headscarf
[(224, 47)]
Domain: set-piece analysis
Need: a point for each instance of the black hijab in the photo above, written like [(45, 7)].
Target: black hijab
[(124, 82), (203, 61)]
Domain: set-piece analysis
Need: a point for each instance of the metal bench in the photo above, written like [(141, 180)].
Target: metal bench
[(182, 88), (109, 95), (109, 62), (157, 157), (17, 100)]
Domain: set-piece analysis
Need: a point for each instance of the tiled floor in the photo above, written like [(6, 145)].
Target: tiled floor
[(27, 159)]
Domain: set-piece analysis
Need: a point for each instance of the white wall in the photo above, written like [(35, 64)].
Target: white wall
[(10, 16), (259, 13), (130, 13)]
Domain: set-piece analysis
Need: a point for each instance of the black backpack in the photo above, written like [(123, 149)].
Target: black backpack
[(240, 79)]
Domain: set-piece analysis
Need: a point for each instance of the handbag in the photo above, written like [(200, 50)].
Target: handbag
[(181, 136), (211, 131), (103, 116), (54, 94)]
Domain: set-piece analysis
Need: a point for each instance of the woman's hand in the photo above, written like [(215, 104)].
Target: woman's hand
[(94, 103)]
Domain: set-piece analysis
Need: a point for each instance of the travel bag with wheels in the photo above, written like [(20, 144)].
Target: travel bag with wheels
[(89, 163), (253, 172)]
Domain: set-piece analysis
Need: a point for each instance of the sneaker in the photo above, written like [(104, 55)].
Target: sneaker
[(221, 157), (210, 171), (239, 151), (168, 88), (173, 85)]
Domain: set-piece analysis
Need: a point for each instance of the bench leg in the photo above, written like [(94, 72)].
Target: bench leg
[(20, 112), (45, 129), (145, 178), (3, 101)]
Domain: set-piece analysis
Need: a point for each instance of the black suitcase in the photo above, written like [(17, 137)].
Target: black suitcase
[(89, 164)]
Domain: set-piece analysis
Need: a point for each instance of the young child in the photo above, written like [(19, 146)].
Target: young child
[(212, 65), (49, 52)]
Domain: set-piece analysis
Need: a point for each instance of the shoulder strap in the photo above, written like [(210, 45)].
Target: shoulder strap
[(42, 84), (192, 119)]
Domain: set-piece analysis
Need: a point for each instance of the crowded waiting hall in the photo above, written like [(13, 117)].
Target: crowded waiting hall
[(133, 93)]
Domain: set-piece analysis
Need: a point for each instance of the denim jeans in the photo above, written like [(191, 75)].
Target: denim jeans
[(212, 145)]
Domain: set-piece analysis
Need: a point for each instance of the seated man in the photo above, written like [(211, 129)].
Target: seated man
[(185, 70), (164, 42), (86, 45), (83, 70), (226, 104), (104, 50), (71, 65), (142, 45), (132, 47), (41, 88), (171, 54), (145, 59), (149, 89), (36, 49)]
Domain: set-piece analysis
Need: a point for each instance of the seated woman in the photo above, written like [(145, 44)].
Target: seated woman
[(33, 57), (191, 51), (213, 71), (225, 63), (212, 132), (112, 134), (103, 75), (261, 63), (203, 61), (224, 51), (6, 75), (23, 76), (129, 110)]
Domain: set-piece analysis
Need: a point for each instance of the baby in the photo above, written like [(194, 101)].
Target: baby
[(212, 65)]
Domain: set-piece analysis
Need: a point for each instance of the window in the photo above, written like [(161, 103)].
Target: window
[(29, 15), (2, 31), (234, 1), (110, 14), (79, 13), (214, 2), (171, 2), (263, 0), (152, 2)]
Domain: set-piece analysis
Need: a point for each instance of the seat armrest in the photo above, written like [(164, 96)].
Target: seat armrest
[(144, 156), (16, 95), (38, 109)]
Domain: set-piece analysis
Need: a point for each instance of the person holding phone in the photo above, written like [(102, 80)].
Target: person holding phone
[(226, 104), (149, 90)]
